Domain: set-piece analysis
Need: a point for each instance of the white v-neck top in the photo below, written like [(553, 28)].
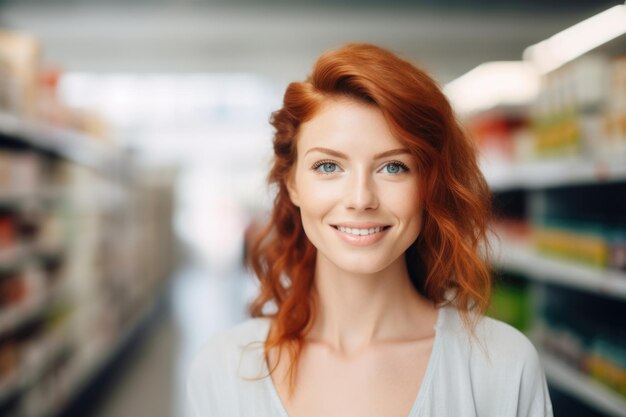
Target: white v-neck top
[(500, 377)]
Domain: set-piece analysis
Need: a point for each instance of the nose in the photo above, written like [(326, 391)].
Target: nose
[(361, 193)]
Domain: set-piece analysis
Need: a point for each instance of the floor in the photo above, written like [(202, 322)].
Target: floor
[(200, 303)]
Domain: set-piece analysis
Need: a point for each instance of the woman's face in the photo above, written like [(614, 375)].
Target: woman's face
[(357, 188)]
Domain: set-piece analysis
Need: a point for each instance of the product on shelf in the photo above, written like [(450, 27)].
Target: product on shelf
[(501, 135), (52, 110), (9, 91), (568, 236), (8, 360), (590, 337), (85, 247), (20, 174), (13, 290), (607, 363), (567, 112), (617, 249), (510, 302), (576, 242), (600, 245), (8, 232), (581, 110), (614, 126), (20, 60)]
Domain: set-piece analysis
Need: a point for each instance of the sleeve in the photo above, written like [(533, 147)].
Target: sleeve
[(199, 391), (191, 403), (210, 380), (213, 389), (508, 378), (534, 397)]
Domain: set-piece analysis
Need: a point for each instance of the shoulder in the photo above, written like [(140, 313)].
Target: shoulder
[(216, 379), (492, 340), (224, 349), (221, 361), (498, 360), (494, 351), (232, 339), (504, 342)]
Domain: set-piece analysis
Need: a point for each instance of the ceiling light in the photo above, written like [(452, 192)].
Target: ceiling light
[(578, 39), (507, 83)]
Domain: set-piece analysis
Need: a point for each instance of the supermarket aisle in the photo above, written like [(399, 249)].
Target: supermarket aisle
[(202, 302), (145, 382)]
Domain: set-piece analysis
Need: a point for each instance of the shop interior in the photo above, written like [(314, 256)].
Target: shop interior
[(134, 149)]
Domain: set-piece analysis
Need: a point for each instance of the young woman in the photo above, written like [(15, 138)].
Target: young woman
[(373, 286)]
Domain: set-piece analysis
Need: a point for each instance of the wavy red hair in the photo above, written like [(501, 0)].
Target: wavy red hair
[(445, 262)]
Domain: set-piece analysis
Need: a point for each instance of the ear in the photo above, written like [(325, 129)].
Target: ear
[(292, 189)]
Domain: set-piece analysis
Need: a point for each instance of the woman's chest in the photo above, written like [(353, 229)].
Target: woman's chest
[(380, 382)]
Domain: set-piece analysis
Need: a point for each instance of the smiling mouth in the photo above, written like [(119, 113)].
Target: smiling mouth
[(361, 232)]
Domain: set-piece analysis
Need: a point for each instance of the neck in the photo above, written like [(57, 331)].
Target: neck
[(359, 310)]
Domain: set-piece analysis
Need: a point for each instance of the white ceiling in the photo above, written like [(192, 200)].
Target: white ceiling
[(279, 42)]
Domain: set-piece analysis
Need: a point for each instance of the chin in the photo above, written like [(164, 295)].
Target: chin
[(361, 264)]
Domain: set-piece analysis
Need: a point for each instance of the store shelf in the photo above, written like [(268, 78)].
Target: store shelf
[(104, 358), (13, 317), (30, 372), (21, 199), (554, 173), (12, 199), (45, 354), (524, 259), (10, 258), (9, 386), (74, 146), (583, 387)]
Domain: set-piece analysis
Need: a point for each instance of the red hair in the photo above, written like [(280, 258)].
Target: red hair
[(444, 262)]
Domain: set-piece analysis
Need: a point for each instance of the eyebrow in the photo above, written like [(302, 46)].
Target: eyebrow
[(338, 154)]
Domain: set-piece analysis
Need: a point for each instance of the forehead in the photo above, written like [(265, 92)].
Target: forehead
[(349, 126)]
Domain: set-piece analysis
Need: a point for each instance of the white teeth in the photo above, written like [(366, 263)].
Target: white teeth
[(359, 232)]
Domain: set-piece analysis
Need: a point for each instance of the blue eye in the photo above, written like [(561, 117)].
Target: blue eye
[(326, 167), (395, 168)]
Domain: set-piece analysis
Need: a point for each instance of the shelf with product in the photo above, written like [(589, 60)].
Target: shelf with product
[(33, 288), (569, 241), (555, 173), (86, 244), (75, 146), (88, 369), (523, 257), (573, 133), (581, 338), (35, 345), (583, 387), (574, 129), (557, 169), (32, 116), (117, 259)]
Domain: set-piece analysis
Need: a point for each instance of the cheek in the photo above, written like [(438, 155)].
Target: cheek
[(317, 197), (314, 209), (403, 200)]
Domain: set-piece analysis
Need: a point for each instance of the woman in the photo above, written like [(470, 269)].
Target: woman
[(371, 264)]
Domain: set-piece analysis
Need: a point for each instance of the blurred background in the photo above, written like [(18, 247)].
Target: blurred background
[(134, 144)]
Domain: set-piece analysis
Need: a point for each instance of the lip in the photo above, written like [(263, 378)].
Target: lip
[(360, 225), (365, 240)]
